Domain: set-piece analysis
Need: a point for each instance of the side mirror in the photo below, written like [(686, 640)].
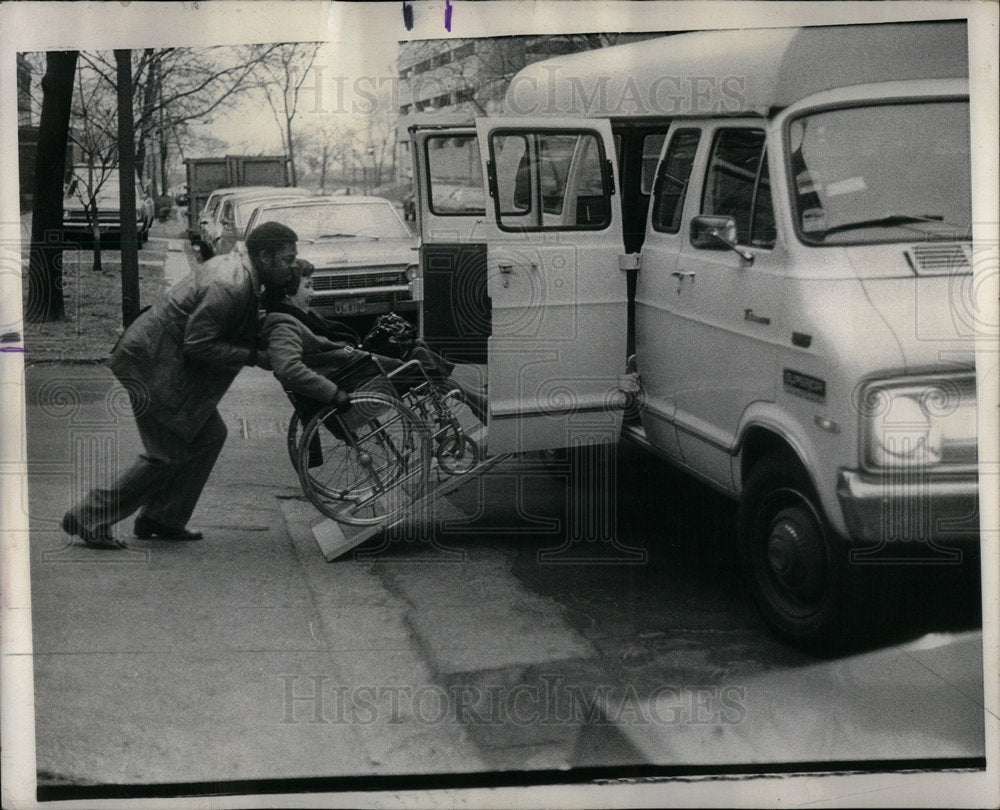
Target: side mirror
[(717, 233)]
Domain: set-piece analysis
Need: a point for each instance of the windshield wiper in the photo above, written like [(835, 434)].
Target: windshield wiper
[(342, 236), (888, 222)]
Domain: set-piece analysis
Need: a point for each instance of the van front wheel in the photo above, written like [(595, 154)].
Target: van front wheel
[(791, 559)]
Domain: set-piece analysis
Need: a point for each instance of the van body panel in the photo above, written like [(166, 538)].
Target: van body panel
[(932, 318), (737, 72)]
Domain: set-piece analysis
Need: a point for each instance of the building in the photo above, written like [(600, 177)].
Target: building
[(454, 81)]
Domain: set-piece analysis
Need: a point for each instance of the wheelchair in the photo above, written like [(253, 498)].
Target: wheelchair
[(365, 464)]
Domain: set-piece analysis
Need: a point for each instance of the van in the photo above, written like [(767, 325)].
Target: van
[(761, 239)]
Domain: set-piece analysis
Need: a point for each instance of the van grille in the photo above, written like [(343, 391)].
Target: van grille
[(940, 259)]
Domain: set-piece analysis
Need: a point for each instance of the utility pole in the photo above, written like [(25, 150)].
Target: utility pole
[(126, 186)]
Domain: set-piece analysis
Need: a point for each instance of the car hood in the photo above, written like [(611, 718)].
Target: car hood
[(358, 252)]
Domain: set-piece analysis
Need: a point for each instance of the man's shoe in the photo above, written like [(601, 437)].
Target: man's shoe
[(100, 537), (146, 527)]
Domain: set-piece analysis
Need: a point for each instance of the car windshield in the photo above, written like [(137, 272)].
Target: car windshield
[(338, 221), (882, 173)]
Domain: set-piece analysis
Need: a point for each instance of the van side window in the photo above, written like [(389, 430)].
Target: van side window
[(550, 180), (455, 176), (763, 228), (737, 182), (672, 184), (651, 146)]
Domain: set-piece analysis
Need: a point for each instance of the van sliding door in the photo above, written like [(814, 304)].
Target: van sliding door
[(553, 236)]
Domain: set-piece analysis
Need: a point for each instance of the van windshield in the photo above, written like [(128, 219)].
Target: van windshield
[(882, 173)]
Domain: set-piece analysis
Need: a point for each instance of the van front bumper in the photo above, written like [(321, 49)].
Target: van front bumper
[(879, 509)]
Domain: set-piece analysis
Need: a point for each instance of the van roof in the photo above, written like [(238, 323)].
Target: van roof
[(736, 72)]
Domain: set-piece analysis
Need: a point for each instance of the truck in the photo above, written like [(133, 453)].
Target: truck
[(761, 242), (204, 175)]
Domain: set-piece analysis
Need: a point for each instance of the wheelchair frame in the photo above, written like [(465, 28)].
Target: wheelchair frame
[(366, 464)]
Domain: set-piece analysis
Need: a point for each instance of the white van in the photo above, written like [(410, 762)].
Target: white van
[(774, 227)]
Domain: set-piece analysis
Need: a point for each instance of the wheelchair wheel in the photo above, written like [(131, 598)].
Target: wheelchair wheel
[(294, 438), (455, 451), (364, 466)]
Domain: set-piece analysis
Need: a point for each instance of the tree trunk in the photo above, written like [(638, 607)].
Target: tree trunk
[(126, 186), (322, 174), (45, 297), (291, 152)]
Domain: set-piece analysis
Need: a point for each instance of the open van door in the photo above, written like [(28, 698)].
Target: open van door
[(558, 309), (449, 204)]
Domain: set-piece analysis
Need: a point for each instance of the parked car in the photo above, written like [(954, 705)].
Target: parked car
[(364, 255), (235, 209), (206, 218), (105, 184)]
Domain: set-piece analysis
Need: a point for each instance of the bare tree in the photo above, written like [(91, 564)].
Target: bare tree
[(176, 86), (45, 298), (94, 132), (282, 70)]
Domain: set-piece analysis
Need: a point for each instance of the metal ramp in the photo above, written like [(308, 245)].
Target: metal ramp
[(336, 539)]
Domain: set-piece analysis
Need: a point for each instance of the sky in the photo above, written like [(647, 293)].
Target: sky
[(344, 74)]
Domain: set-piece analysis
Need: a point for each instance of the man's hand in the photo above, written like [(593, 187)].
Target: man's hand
[(341, 401)]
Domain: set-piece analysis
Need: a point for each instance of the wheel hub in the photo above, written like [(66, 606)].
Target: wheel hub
[(794, 553)]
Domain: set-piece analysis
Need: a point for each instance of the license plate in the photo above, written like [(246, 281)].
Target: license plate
[(352, 306)]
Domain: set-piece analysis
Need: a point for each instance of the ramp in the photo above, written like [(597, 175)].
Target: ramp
[(335, 539)]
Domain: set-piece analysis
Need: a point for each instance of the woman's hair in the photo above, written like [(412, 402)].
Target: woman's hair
[(275, 293)]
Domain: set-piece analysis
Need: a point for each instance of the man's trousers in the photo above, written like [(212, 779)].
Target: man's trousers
[(165, 482)]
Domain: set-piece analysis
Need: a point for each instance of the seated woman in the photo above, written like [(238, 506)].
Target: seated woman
[(306, 351)]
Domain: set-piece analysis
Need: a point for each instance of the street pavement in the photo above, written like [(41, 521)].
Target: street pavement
[(184, 661), (247, 656)]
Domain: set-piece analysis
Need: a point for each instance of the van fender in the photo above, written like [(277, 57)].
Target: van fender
[(764, 426)]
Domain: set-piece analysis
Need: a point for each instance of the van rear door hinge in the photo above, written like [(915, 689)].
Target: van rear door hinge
[(629, 261)]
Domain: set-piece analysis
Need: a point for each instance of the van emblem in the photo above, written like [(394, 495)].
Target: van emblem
[(802, 385), (748, 315)]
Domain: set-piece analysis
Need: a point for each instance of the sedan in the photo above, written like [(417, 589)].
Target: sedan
[(365, 257)]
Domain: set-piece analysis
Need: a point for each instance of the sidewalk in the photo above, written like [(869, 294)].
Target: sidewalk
[(187, 662)]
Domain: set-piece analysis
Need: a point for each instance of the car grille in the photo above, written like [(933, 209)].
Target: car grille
[(352, 281)]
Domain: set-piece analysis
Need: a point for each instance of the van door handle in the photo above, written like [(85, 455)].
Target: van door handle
[(680, 275), (507, 269)]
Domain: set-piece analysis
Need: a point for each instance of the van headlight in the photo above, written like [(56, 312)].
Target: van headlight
[(926, 422), (412, 271)]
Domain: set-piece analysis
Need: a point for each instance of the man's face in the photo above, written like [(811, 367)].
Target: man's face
[(277, 269)]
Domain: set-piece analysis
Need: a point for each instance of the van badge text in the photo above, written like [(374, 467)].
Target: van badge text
[(748, 315), (802, 385)]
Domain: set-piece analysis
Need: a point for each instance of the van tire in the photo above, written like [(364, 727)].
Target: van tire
[(794, 564)]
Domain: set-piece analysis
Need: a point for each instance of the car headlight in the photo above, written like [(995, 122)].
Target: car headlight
[(927, 422), (412, 271)]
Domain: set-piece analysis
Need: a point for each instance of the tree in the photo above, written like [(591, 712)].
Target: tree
[(126, 190), (95, 134), (45, 298), (282, 70)]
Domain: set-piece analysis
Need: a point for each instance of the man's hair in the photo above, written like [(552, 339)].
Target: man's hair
[(268, 237), (275, 293)]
